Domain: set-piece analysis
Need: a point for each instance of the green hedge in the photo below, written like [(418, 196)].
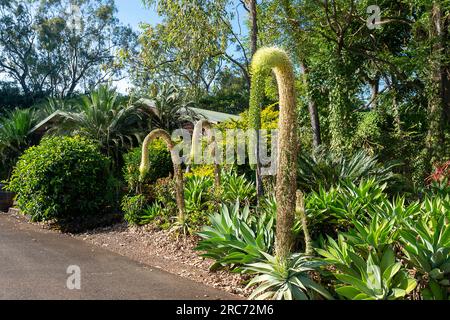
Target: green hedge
[(160, 164), (62, 178)]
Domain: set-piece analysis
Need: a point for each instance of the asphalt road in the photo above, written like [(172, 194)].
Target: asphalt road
[(34, 265)]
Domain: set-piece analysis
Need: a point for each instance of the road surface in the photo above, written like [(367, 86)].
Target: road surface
[(34, 264)]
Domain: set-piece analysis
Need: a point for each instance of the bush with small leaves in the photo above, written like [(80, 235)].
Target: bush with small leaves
[(63, 178)]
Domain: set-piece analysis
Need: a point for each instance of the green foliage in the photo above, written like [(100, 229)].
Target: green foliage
[(369, 133), (205, 170), (339, 206), (198, 197), (366, 266), (327, 169), (374, 279), (426, 245), (15, 137), (44, 55), (195, 62), (137, 211), (159, 160), (62, 178), (237, 187), (169, 108), (132, 207), (236, 237), (151, 213), (104, 118), (288, 279), (269, 120)]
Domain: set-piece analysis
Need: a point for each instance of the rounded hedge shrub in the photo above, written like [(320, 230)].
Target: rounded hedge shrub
[(160, 164), (63, 178)]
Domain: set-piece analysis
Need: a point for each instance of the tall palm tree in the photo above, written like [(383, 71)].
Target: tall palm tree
[(102, 117)]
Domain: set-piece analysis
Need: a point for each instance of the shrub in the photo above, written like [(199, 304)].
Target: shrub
[(62, 178), (160, 164), (371, 277), (206, 170), (335, 208), (133, 207), (15, 137)]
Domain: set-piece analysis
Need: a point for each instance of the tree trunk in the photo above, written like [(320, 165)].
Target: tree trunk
[(438, 87), (312, 108), (374, 89), (253, 18)]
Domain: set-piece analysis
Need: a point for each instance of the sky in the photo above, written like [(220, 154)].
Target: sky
[(133, 12)]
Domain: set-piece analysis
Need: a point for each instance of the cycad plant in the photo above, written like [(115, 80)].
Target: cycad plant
[(171, 109), (276, 60), (326, 169), (102, 117), (178, 173), (15, 137)]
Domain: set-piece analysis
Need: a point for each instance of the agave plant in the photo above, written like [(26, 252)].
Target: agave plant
[(197, 192), (235, 237), (286, 279), (150, 213), (377, 276), (15, 137), (336, 207), (427, 247), (375, 280)]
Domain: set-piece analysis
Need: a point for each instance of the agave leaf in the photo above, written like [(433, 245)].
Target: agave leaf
[(348, 292)]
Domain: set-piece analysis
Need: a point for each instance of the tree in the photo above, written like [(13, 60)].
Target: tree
[(47, 50), (192, 58)]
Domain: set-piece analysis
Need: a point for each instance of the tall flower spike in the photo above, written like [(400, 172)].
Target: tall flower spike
[(276, 60), (178, 173), (196, 148)]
